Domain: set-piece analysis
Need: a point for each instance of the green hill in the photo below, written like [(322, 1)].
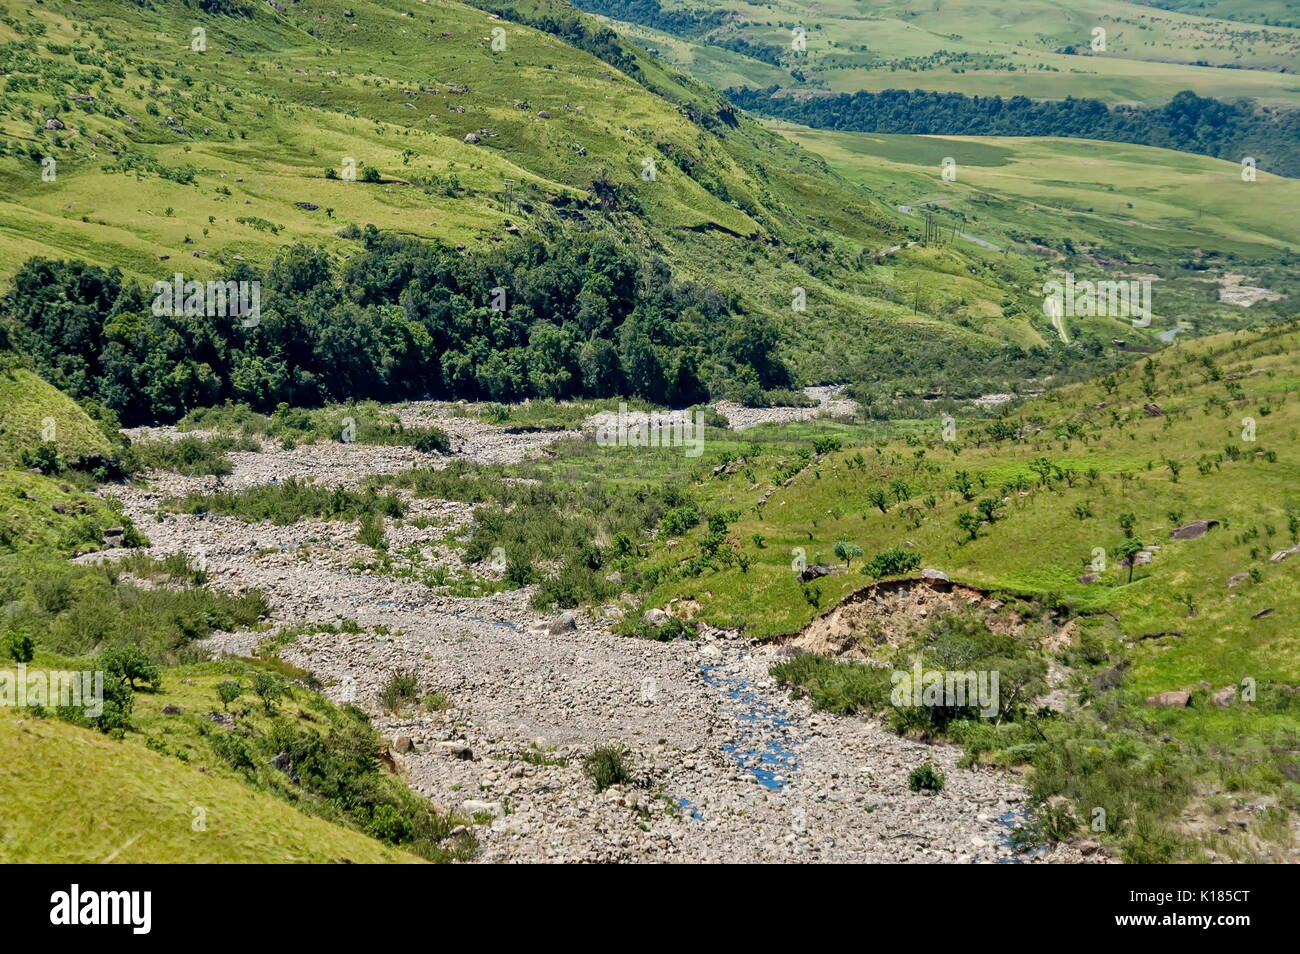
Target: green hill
[(1036, 48), (74, 796), (169, 159), (33, 412)]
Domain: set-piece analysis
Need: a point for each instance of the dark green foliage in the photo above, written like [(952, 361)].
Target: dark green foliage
[(129, 663), (1187, 122), (892, 562), (608, 765), (925, 778), (584, 315), (18, 646)]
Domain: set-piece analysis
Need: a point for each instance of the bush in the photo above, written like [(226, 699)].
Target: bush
[(370, 531), (925, 778), (608, 765), (401, 689), (128, 663), (269, 687), (679, 520), (19, 646), (892, 562), (833, 686)]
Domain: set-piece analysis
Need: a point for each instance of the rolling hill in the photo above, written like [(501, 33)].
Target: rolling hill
[(167, 158)]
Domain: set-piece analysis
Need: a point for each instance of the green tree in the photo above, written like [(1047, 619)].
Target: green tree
[(1128, 550)]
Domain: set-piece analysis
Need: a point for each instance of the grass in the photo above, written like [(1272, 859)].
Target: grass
[(40, 514), (73, 796), (33, 413), (608, 765), (966, 47), (74, 609), (286, 503), (191, 456)]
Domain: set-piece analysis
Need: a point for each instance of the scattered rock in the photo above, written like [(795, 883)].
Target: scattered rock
[(54, 123), (1170, 699), (471, 138), (1224, 696), (171, 710), (457, 750), (1262, 613), (308, 206), (566, 622), (934, 575), (1193, 530), (1090, 578), (403, 744), (1152, 410), (655, 618), (474, 806)]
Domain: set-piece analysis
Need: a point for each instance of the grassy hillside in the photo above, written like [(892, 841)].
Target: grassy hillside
[(170, 159), (1097, 207), (1039, 508), (73, 796), (973, 48), (33, 413)]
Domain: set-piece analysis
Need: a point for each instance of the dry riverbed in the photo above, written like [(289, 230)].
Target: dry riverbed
[(727, 767)]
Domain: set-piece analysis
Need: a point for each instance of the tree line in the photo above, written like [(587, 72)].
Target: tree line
[(1188, 123), (561, 317)]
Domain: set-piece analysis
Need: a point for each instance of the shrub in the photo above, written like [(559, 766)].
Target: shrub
[(891, 562), (19, 646), (925, 778), (370, 531), (128, 663), (228, 691), (608, 765), (269, 687), (401, 689)]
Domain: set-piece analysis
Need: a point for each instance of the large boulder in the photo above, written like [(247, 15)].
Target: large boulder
[(566, 622), (1170, 699), (1193, 530)]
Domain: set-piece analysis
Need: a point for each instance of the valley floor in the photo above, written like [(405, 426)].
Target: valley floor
[(730, 769)]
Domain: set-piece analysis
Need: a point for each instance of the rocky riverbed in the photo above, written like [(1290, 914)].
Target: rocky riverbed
[(727, 768)]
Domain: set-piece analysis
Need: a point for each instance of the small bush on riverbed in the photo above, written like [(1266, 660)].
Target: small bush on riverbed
[(608, 765), (191, 456), (401, 689), (925, 778), (833, 686)]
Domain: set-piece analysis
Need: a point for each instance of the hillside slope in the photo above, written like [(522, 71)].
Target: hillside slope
[(171, 159), (73, 796)]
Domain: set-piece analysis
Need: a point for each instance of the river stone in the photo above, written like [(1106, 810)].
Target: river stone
[(456, 749), (1170, 699)]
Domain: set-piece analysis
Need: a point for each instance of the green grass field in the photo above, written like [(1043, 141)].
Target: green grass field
[(973, 48), (74, 796)]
